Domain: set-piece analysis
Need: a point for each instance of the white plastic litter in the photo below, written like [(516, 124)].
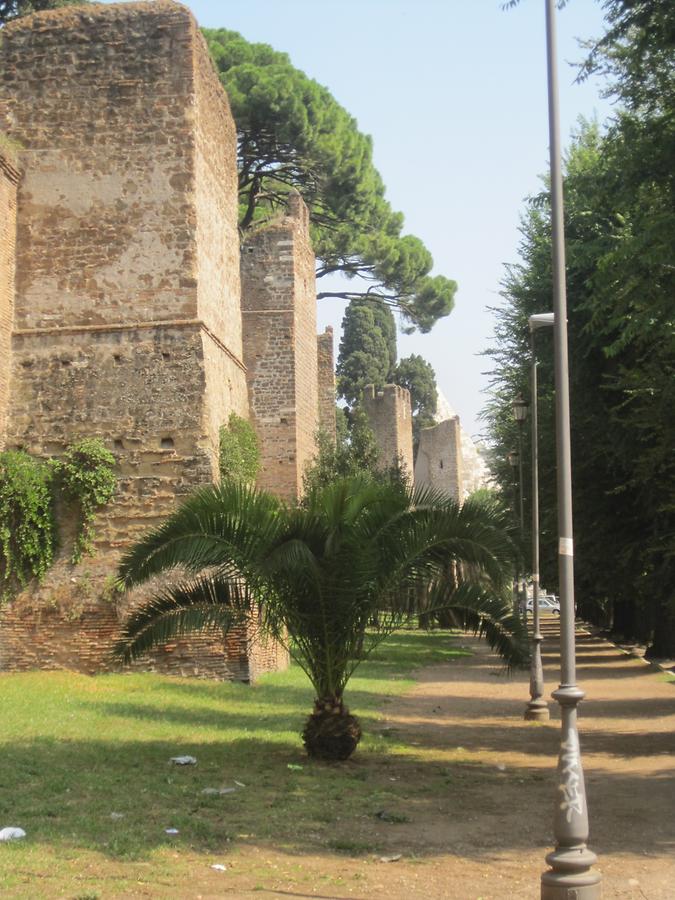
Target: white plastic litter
[(394, 858), (219, 867), (171, 831), (115, 816), (213, 791), (240, 783), (184, 760), (12, 834)]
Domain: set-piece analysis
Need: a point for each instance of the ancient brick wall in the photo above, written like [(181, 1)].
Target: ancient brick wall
[(439, 462), (127, 323), (389, 415), (9, 178), (326, 375), (279, 318)]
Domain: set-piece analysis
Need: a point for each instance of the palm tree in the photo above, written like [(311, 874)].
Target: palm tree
[(329, 580)]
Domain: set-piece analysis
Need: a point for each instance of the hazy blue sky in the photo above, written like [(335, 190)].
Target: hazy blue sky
[(453, 93)]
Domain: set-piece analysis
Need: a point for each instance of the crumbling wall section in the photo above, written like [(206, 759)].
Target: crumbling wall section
[(9, 179), (390, 417), (439, 458), (326, 374), (279, 316)]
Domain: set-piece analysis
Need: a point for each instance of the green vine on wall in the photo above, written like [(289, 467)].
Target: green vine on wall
[(239, 450), (86, 477), (27, 525)]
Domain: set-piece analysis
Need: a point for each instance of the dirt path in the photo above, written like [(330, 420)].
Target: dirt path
[(485, 831)]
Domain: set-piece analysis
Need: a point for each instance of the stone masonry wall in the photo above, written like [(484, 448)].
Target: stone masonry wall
[(389, 415), (439, 458), (279, 315), (326, 373), (9, 178), (127, 324)]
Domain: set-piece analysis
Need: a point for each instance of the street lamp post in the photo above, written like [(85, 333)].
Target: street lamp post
[(537, 708), (519, 407), (571, 876), (513, 459)]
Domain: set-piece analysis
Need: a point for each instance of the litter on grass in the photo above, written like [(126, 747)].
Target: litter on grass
[(294, 768), (171, 831), (12, 834), (212, 792), (219, 867), (394, 858), (184, 760), (240, 784)]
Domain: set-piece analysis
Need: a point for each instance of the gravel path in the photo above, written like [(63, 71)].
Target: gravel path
[(484, 833)]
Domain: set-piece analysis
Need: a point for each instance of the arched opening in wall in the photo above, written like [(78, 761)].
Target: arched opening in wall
[(166, 443)]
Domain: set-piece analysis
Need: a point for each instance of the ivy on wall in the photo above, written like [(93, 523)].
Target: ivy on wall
[(27, 526), (84, 477), (239, 457)]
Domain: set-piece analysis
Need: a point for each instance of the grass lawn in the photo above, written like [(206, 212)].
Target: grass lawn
[(85, 772)]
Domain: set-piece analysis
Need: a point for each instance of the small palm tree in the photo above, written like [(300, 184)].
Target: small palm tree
[(329, 580)]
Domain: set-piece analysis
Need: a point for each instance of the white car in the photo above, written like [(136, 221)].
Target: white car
[(547, 604)]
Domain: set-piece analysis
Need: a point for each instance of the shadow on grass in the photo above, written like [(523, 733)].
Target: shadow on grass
[(118, 798)]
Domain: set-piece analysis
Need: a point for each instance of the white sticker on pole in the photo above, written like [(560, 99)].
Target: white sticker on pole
[(566, 547)]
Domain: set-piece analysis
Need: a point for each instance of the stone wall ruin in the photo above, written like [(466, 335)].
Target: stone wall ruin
[(124, 317), (390, 417)]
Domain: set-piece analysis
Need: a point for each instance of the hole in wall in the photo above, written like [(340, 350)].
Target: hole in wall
[(27, 363), (441, 464), (66, 362), (117, 359), (118, 444), (166, 355), (166, 443)]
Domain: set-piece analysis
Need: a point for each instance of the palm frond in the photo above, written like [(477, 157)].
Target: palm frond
[(207, 603), (489, 616), (226, 524)]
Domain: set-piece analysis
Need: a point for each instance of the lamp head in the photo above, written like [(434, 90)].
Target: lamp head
[(541, 320), (513, 458), (520, 408)]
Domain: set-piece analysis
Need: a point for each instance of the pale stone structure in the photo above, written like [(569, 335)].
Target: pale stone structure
[(390, 417), (447, 457), (121, 302), (326, 372), (439, 459)]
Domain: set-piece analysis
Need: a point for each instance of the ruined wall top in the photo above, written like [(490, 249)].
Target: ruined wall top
[(390, 416)]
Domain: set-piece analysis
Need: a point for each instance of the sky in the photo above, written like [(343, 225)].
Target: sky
[(453, 93)]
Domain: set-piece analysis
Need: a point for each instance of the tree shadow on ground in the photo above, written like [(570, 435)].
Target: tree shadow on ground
[(65, 794)]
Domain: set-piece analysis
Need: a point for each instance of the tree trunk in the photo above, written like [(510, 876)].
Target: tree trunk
[(624, 620), (663, 643), (331, 732)]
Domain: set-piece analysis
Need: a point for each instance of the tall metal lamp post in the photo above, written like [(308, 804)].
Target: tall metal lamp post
[(571, 876), (537, 708), (513, 459), (519, 407)]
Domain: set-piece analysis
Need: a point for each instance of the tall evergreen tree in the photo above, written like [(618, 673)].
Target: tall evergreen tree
[(293, 134)]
